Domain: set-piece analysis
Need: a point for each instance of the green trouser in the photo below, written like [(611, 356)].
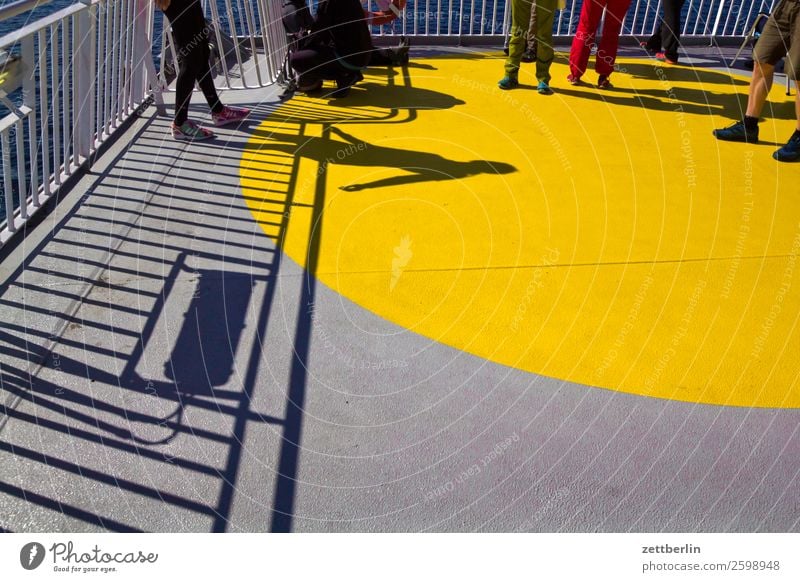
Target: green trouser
[(520, 21), (531, 46)]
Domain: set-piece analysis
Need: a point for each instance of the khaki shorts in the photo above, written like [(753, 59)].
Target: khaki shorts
[(781, 38)]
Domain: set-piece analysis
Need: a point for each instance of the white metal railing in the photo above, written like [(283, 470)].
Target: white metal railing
[(68, 80), (71, 78), (83, 70), (248, 42), (490, 18)]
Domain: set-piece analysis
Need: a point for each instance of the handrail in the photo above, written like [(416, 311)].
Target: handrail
[(470, 19), (16, 8), (87, 68), (16, 36), (55, 127)]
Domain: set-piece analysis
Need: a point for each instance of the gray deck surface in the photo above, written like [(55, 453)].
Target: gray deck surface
[(162, 371)]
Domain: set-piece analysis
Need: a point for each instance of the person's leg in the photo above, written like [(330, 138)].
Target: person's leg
[(380, 58), (390, 56), (591, 12), (797, 103), (790, 152), (770, 48), (545, 13), (313, 64), (671, 31), (606, 55), (530, 48), (184, 85), (520, 19), (760, 85), (204, 78), (792, 65), (308, 63), (186, 20), (747, 129), (653, 43)]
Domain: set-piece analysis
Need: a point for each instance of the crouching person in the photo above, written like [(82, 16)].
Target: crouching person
[(338, 48)]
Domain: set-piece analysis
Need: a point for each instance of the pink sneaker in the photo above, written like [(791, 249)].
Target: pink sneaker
[(665, 59), (229, 115), (190, 131)]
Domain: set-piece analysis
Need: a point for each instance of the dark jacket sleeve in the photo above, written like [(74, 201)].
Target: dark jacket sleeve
[(345, 23)]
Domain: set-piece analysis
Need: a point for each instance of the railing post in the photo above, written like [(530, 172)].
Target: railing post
[(153, 80), (8, 187), (29, 101), (90, 135), (82, 74), (716, 22), (144, 70)]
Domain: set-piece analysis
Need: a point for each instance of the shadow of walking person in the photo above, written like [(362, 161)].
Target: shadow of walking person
[(416, 166)]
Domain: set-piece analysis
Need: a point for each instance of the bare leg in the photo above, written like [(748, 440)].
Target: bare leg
[(759, 88), (797, 103)]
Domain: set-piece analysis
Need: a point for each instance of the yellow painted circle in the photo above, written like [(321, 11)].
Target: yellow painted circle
[(604, 238)]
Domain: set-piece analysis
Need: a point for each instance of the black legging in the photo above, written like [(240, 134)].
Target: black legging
[(191, 37), (668, 32)]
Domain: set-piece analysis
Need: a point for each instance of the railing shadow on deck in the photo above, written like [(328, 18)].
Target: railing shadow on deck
[(145, 241), (201, 362), (288, 135)]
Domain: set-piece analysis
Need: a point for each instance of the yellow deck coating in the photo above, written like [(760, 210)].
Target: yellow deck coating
[(604, 238)]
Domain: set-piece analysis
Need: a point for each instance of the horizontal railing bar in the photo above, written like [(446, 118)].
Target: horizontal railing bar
[(17, 8), (7, 122), (37, 25)]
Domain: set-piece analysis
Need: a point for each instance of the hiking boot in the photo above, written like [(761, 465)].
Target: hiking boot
[(190, 131), (790, 152), (508, 82), (738, 132), (229, 115)]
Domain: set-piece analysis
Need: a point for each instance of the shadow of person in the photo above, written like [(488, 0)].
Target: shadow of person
[(203, 358), (651, 69), (655, 100), (416, 166), (684, 99)]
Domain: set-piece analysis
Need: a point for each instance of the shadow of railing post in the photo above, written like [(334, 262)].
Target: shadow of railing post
[(283, 508)]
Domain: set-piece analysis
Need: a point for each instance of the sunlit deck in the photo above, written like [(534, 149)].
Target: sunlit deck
[(431, 305)]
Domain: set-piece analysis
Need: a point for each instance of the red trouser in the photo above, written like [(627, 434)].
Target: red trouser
[(591, 13)]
